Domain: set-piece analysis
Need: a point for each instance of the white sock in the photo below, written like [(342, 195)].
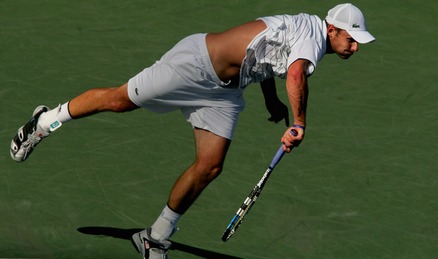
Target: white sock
[(53, 119), (165, 224), (64, 113)]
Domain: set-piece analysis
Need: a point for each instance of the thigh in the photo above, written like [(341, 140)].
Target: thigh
[(211, 149), (173, 81), (154, 87)]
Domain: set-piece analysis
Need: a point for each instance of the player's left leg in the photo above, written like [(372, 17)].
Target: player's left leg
[(44, 121), (97, 100)]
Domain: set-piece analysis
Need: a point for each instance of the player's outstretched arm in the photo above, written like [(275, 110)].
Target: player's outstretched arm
[(297, 91)]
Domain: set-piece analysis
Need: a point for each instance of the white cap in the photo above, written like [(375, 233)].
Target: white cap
[(350, 18)]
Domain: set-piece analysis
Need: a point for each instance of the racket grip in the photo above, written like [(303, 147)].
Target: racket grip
[(277, 157), (280, 152)]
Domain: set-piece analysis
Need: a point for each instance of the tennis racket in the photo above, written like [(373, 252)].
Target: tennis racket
[(252, 197)]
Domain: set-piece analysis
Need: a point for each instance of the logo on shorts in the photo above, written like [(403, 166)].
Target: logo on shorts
[(136, 91)]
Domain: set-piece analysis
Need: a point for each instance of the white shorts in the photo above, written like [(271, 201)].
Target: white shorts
[(184, 79)]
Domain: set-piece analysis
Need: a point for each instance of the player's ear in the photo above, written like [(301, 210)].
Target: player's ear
[(331, 30)]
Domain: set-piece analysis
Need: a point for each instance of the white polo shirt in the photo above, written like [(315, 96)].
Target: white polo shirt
[(287, 38)]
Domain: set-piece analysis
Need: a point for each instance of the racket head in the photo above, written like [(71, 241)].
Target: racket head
[(252, 197), (240, 215), (233, 226)]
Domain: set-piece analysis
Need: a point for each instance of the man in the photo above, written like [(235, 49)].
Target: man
[(204, 76)]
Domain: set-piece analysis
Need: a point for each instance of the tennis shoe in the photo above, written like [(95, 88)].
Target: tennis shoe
[(28, 136), (149, 247)]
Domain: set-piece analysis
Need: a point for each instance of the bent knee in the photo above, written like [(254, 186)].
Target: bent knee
[(208, 172), (121, 106), (119, 100)]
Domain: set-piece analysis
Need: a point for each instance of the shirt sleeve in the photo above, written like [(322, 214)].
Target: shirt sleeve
[(308, 49)]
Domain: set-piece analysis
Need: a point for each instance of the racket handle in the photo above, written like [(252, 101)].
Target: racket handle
[(277, 157), (280, 152)]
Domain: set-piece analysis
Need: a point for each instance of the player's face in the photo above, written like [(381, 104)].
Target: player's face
[(343, 44)]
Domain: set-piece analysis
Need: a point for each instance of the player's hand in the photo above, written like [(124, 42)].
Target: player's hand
[(290, 141), (278, 111)]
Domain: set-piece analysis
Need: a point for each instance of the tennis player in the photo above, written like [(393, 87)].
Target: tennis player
[(204, 76)]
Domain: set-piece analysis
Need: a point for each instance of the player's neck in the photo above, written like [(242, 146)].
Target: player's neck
[(329, 49)]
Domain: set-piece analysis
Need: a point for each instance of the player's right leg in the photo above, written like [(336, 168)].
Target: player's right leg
[(44, 121), (211, 150)]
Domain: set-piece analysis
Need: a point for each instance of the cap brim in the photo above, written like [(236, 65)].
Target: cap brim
[(362, 36)]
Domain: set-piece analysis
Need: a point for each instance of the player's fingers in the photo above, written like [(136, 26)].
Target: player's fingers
[(287, 149), (287, 143)]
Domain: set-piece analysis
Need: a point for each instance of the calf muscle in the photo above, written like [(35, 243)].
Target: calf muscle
[(114, 99)]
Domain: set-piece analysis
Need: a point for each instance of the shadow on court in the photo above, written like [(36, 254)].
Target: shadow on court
[(127, 233)]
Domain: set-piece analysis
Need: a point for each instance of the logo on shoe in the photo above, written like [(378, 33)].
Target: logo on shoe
[(55, 125)]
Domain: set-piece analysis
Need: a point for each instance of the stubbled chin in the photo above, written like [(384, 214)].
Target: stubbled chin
[(345, 56)]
